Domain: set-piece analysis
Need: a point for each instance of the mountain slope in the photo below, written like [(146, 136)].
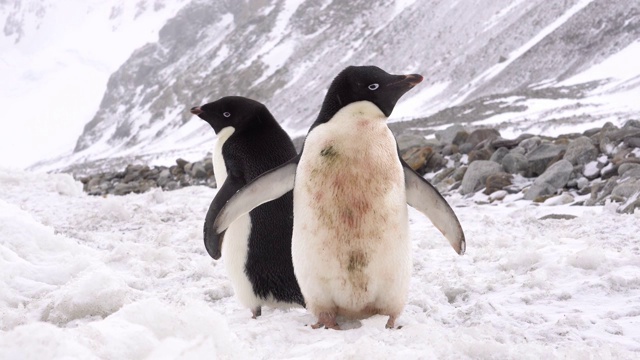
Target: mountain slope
[(285, 53)]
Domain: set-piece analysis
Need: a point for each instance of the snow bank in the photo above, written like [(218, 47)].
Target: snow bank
[(128, 277)]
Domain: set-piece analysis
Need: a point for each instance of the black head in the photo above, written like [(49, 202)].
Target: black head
[(237, 111), (366, 83)]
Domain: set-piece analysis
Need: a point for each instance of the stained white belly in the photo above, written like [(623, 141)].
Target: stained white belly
[(350, 243)]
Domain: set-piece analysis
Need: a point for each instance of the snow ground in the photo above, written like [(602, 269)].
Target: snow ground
[(128, 277)]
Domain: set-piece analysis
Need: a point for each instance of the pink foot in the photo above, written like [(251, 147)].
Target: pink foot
[(328, 320), (256, 312)]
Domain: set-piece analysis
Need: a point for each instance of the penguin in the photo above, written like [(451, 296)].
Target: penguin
[(351, 248), (257, 249)]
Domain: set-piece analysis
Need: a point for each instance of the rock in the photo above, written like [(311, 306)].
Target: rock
[(499, 154), (479, 154), (497, 181), (417, 158), (197, 170), (582, 183), (581, 151), (171, 185), (633, 141), (553, 179), (515, 163), (124, 188), (460, 138), (498, 195), (563, 199), (181, 163), (477, 174), (591, 170), (608, 171), (449, 149), (626, 189), (541, 157), (623, 168), (530, 143), (447, 135), (458, 174), (604, 191), (479, 135), (442, 175), (465, 148), (164, 177), (629, 206), (558, 217), (408, 141)]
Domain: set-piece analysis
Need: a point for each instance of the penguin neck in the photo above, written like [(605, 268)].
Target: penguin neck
[(334, 109), (219, 167)]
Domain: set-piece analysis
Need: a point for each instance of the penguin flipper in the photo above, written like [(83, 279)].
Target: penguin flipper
[(422, 196), (266, 187), (213, 240)]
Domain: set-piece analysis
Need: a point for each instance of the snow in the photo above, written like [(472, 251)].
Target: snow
[(128, 277), (616, 67), (54, 77)]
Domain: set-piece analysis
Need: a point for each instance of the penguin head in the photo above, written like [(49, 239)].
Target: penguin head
[(367, 83), (236, 111)]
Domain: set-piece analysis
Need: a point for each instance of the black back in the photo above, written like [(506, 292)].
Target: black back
[(257, 145)]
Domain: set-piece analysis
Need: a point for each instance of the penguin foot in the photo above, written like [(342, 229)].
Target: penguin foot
[(328, 320), (256, 312), (391, 323)]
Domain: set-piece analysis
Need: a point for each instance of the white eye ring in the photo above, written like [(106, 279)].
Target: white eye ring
[(226, 114), (373, 86)]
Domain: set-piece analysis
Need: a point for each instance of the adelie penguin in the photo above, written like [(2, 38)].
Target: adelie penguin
[(351, 247), (257, 247)]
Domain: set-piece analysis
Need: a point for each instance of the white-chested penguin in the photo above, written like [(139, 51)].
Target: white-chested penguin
[(351, 247), (257, 247)]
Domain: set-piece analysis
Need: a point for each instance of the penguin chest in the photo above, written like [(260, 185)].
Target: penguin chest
[(350, 224), (219, 167)]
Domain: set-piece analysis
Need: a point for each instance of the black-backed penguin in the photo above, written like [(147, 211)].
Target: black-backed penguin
[(351, 247), (257, 249)]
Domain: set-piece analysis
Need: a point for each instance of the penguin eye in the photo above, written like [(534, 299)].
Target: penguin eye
[(373, 86), (226, 114)]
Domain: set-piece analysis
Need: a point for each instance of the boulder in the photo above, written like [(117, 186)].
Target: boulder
[(497, 181), (479, 154), (550, 181), (479, 135), (541, 157), (447, 135), (515, 163), (581, 151), (476, 175), (408, 141), (499, 154)]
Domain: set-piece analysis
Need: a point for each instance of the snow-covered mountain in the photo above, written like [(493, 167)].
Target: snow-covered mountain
[(520, 63), (55, 60)]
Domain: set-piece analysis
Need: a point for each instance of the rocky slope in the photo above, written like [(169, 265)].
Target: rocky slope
[(285, 53), (591, 168)]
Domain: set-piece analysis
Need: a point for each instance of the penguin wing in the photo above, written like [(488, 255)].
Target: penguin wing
[(212, 241), (266, 187), (422, 196)]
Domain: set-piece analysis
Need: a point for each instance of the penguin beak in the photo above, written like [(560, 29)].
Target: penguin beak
[(413, 79), (408, 81), (196, 110)]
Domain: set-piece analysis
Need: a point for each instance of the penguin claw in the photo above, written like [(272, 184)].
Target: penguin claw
[(256, 312)]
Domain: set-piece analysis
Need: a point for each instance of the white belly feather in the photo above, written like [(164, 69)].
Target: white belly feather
[(350, 246), (236, 244)]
